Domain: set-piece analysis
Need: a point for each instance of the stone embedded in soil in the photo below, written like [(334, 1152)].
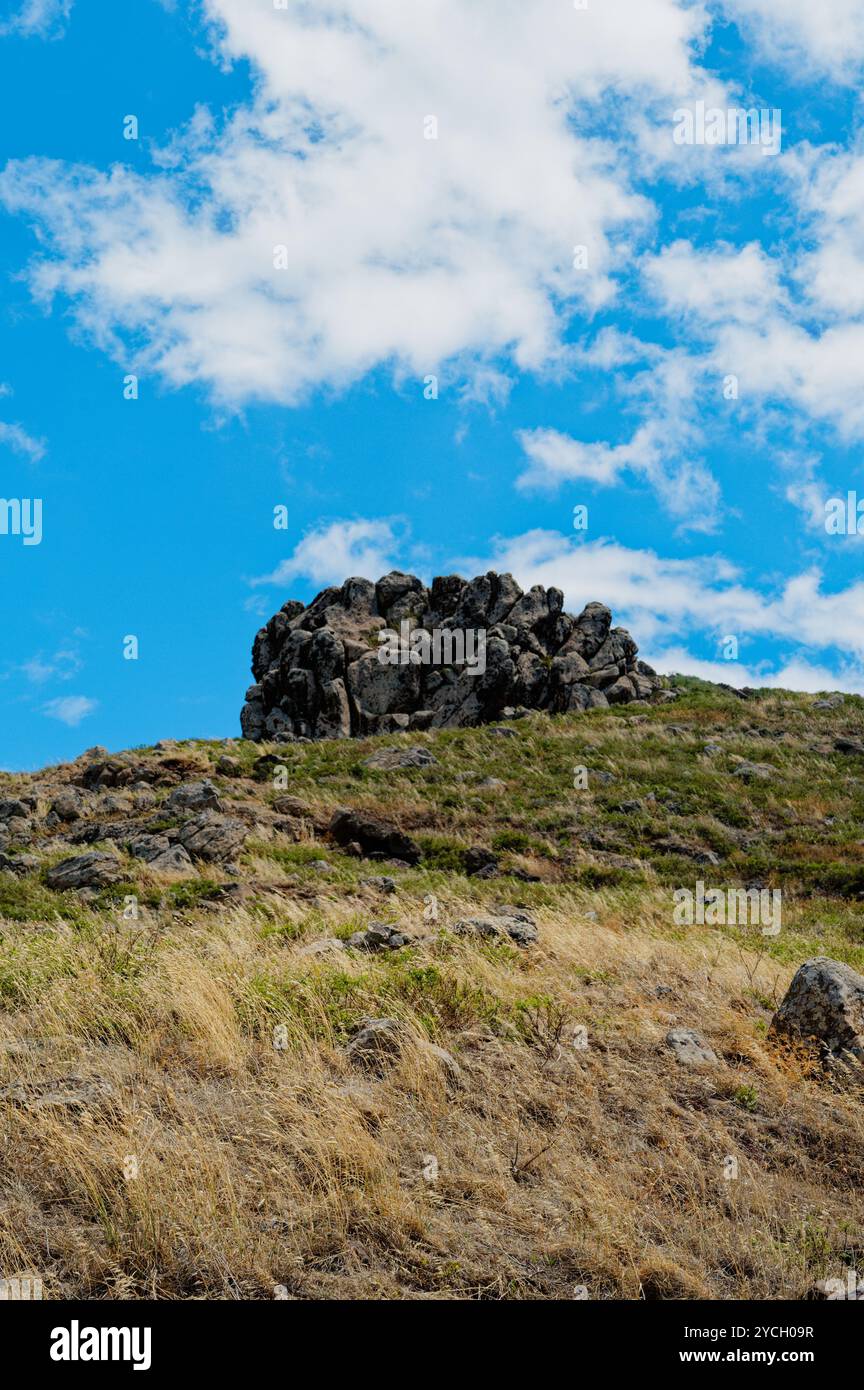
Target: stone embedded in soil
[(689, 1048)]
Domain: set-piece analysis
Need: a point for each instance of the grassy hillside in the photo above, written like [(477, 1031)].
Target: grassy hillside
[(181, 1115)]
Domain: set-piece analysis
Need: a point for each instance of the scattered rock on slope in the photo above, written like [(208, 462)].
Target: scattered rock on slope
[(373, 836), (85, 871), (825, 1002)]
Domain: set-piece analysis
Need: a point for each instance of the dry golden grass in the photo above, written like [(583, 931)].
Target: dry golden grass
[(156, 1142), (557, 1167)]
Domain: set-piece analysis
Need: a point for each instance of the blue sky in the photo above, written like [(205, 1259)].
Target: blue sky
[(298, 135)]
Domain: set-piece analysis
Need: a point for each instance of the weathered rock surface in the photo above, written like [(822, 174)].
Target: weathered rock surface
[(512, 922), (318, 674), (689, 1048), (194, 796), (375, 837), (85, 871), (212, 837), (380, 936), (825, 1003)]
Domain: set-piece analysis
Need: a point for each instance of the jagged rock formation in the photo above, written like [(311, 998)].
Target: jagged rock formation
[(319, 672)]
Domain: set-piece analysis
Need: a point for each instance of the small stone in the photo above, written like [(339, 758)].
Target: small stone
[(391, 759), (380, 936), (377, 1040), (825, 1004), (171, 860), (754, 772), (689, 1048), (67, 804), (518, 925), (212, 837), (328, 945), (380, 882), (853, 747)]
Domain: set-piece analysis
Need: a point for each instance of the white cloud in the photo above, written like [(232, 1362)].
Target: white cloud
[(827, 38), (795, 674), (70, 709), (663, 451), (664, 600), (726, 283), (17, 438), (330, 553), (38, 17), (400, 250), (735, 306)]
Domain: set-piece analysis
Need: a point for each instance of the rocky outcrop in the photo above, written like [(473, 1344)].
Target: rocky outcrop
[(320, 671)]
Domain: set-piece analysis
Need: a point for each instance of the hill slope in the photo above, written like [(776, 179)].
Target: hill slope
[(184, 1113)]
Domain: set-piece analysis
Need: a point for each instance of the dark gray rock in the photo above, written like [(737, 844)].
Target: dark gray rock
[(67, 804), (194, 796), (318, 672), (94, 870), (19, 864), (173, 859), (381, 883), (510, 922), (374, 836), (377, 1040), (379, 936)]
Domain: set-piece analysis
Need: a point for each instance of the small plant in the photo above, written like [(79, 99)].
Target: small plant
[(747, 1097)]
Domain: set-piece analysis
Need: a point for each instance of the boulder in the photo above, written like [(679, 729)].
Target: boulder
[(825, 1004), (93, 870), (212, 837), (374, 836), (380, 936), (510, 922), (475, 649), (194, 796)]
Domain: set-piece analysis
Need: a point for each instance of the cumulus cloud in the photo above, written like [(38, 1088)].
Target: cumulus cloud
[(663, 451), (330, 553), (804, 350), (70, 709), (398, 249), (816, 40), (663, 599)]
